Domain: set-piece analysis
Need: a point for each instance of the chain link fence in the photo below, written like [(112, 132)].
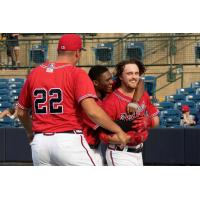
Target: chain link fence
[(108, 49)]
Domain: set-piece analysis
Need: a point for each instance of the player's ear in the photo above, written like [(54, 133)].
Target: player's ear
[(78, 53), (96, 83)]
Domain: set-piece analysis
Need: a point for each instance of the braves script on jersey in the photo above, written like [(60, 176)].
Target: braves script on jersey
[(115, 105), (54, 108)]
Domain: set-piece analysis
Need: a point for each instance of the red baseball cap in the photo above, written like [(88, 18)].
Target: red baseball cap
[(185, 108), (70, 42)]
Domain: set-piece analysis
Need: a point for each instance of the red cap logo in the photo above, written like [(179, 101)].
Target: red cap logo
[(70, 42)]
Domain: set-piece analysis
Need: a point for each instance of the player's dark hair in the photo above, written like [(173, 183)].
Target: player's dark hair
[(120, 68), (96, 71)]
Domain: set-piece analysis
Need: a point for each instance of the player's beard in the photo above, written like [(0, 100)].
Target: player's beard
[(132, 84)]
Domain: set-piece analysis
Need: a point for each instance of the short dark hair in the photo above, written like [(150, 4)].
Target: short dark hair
[(120, 68), (96, 71)]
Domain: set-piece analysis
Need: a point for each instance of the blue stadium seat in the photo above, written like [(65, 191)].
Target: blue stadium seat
[(186, 91), (178, 105), (169, 98), (197, 90), (175, 98), (5, 104), (16, 85), (150, 84), (170, 112), (172, 121), (4, 98), (38, 53), (195, 84), (15, 92), (193, 97), (104, 52), (4, 92), (6, 122), (21, 80), (134, 50), (165, 105), (198, 105), (4, 80), (3, 85), (17, 123), (14, 98), (193, 111)]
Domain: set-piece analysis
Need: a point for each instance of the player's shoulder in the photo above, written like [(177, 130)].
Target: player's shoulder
[(79, 70), (109, 98)]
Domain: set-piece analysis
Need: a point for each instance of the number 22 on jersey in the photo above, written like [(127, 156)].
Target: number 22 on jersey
[(48, 102)]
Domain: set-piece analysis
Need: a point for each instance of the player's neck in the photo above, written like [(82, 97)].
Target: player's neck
[(126, 91), (63, 59)]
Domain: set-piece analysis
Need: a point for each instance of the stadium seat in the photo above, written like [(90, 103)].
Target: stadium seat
[(165, 105), (4, 92), (186, 91), (172, 121), (193, 111), (170, 112), (175, 98), (14, 98), (5, 104), (104, 52), (3, 85), (193, 97), (6, 122), (4, 98), (150, 84), (38, 53), (134, 50), (21, 80), (195, 84), (178, 105), (197, 90), (15, 92), (17, 123), (169, 98), (198, 105), (3, 80), (16, 85)]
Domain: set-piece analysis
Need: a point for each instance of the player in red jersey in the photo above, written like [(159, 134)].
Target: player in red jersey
[(103, 84), (56, 93), (145, 116)]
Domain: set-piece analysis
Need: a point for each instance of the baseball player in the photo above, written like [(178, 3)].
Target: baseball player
[(56, 93), (136, 124), (103, 84)]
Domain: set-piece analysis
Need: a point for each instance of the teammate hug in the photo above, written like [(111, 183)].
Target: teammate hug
[(68, 116)]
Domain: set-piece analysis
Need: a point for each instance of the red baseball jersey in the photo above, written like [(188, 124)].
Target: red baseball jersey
[(54, 91), (89, 128), (115, 105)]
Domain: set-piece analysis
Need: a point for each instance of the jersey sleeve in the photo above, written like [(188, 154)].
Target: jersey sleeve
[(151, 109), (109, 107), (24, 101), (83, 86)]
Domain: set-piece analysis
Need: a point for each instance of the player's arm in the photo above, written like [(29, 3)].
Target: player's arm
[(139, 91), (97, 115)]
